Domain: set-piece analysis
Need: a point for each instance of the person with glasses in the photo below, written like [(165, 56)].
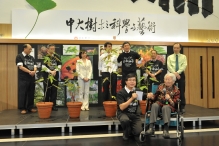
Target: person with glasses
[(128, 112), (176, 64), (129, 60)]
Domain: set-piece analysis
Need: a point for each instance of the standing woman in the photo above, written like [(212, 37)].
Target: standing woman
[(84, 70)]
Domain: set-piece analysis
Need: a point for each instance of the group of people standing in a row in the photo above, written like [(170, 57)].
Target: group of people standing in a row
[(108, 63), (26, 78)]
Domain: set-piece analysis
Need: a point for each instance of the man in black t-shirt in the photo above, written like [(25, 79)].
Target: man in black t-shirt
[(153, 68), (127, 108), (26, 79), (51, 67), (129, 60)]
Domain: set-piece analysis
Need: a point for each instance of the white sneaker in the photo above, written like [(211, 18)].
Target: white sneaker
[(87, 109), (83, 109)]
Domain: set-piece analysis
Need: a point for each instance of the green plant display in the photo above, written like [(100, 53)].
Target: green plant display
[(40, 6), (71, 49), (160, 50)]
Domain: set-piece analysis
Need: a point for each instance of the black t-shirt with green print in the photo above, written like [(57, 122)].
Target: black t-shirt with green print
[(123, 96)]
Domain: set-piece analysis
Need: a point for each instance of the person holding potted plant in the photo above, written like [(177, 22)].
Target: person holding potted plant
[(84, 71), (127, 108), (108, 67), (26, 79), (154, 68), (52, 65)]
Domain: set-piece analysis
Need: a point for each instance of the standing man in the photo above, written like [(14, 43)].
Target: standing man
[(176, 63), (26, 79), (127, 108), (153, 68), (52, 67), (108, 67), (129, 59)]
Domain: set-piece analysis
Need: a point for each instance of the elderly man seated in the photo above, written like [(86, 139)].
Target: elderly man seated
[(163, 100)]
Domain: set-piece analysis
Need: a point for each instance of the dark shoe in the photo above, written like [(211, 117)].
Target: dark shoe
[(32, 110), (183, 110), (124, 137), (54, 109), (150, 131), (166, 134)]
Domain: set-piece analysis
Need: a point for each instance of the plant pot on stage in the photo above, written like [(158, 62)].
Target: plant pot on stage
[(143, 106), (74, 109), (110, 108), (44, 109)]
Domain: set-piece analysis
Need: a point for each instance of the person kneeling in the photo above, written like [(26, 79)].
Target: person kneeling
[(164, 99), (127, 109)]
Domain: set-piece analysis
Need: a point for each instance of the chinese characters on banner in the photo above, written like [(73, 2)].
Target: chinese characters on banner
[(125, 25), (91, 25)]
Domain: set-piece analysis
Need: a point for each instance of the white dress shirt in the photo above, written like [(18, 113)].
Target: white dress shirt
[(108, 64)]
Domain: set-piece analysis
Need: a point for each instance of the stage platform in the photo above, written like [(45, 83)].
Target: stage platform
[(12, 119)]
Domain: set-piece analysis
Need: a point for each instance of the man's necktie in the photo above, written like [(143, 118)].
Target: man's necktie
[(177, 63)]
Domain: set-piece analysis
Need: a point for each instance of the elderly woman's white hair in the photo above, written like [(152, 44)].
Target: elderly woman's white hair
[(171, 75)]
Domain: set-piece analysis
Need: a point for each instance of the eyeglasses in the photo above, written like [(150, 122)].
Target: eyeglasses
[(132, 80)]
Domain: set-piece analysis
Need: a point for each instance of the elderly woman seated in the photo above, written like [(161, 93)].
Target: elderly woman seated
[(163, 100)]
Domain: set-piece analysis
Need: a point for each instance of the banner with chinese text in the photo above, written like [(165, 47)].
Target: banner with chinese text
[(62, 24)]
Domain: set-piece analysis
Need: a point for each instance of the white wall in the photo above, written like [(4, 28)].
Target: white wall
[(194, 22)]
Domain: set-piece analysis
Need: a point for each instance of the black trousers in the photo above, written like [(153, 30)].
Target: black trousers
[(26, 89), (124, 74), (181, 86), (106, 89), (131, 123), (49, 90)]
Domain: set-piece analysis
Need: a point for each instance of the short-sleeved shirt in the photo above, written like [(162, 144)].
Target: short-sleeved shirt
[(123, 96), (26, 61), (128, 61), (54, 62), (155, 65)]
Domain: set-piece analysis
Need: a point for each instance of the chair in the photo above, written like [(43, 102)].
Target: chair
[(176, 120)]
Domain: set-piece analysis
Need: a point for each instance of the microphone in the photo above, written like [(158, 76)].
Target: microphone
[(134, 90), (164, 92)]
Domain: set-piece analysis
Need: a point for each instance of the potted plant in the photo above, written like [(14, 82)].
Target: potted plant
[(74, 107), (45, 108), (110, 106), (144, 86)]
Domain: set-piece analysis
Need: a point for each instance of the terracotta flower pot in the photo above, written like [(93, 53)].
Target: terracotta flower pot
[(74, 109), (143, 106), (44, 109), (110, 108)]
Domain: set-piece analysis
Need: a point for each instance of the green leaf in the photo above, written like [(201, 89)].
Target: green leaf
[(56, 86), (39, 80), (42, 5), (152, 79), (105, 79), (143, 87), (51, 78)]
